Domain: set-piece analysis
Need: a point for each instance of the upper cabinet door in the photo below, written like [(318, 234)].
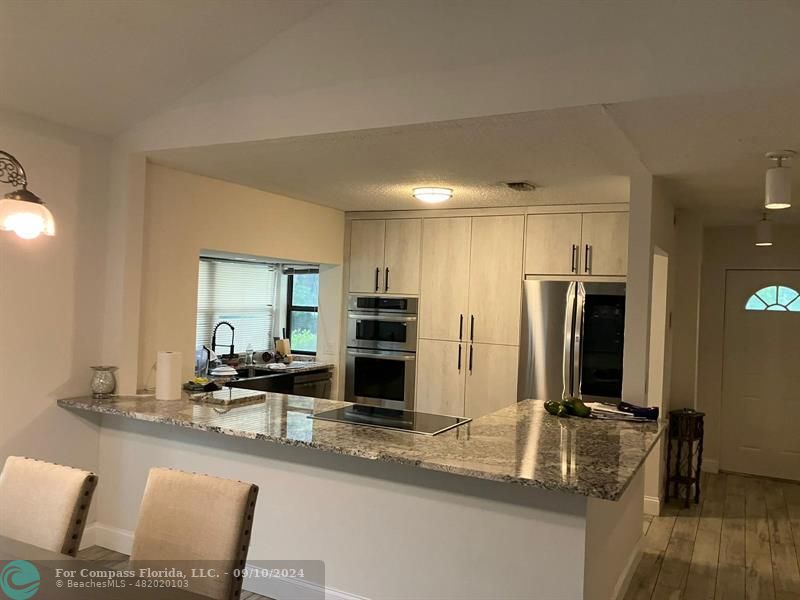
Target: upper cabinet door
[(495, 280), (553, 244), (445, 278), (605, 244), (366, 256), (402, 252)]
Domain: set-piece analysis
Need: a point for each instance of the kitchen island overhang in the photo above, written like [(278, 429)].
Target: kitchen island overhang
[(531, 490)]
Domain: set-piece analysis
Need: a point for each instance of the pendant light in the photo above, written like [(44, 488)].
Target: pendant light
[(764, 232), (778, 193), (22, 211)]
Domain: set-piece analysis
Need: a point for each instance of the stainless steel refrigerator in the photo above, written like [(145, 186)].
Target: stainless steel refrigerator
[(572, 340)]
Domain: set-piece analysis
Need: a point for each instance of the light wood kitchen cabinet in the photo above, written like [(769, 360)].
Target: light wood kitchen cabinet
[(367, 240), (553, 244), (491, 378), (577, 244), (440, 377), (384, 256), (479, 381), (605, 243), (444, 288), (401, 256), (495, 290)]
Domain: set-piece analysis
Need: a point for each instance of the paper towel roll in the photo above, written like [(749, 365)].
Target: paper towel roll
[(168, 375)]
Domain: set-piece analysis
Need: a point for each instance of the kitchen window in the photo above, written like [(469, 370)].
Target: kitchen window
[(302, 308), (241, 292)]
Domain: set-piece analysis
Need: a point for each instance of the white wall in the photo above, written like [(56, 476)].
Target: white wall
[(186, 213), (688, 259), (729, 248), (51, 294)]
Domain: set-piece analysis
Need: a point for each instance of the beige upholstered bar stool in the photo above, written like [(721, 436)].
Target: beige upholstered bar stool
[(189, 520), (44, 504)]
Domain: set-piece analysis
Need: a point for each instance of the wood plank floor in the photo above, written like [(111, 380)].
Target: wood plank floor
[(742, 542), (114, 560)]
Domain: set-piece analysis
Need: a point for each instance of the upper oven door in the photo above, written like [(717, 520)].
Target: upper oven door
[(382, 331)]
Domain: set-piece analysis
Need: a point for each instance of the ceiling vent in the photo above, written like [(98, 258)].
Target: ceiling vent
[(520, 186)]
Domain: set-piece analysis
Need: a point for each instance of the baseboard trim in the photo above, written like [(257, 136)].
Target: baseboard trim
[(652, 505), (121, 540), (710, 465), (113, 538), (624, 581)]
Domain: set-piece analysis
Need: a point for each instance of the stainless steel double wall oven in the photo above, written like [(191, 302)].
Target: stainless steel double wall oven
[(381, 351)]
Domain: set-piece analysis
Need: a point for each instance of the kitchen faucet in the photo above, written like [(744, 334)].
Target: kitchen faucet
[(214, 337)]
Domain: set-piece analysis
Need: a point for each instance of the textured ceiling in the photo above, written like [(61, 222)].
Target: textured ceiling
[(561, 150), (101, 66), (710, 149)]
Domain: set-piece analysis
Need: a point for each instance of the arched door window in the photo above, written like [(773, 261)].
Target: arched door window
[(774, 298)]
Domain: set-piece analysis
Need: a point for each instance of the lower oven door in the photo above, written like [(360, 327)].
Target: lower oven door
[(381, 378)]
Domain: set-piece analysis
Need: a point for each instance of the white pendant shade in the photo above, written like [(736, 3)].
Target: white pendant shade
[(764, 233), (27, 219), (779, 188)]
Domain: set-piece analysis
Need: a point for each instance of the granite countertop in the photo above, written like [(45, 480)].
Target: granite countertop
[(520, 444), (263, 370)]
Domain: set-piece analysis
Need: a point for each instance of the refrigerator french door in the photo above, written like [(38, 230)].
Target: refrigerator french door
[(572, 340)]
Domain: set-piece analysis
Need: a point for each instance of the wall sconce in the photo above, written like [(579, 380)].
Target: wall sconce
[(22, 211)]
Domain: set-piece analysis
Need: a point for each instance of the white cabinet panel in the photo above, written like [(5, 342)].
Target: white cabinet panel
[(491, 381), (402, 252), (605, 244), (553, 243), (445, 278), (366, 255), (495, 288), (440, 377)]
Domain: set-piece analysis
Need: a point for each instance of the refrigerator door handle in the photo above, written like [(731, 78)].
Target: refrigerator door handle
[(577, 346), (569, 330)]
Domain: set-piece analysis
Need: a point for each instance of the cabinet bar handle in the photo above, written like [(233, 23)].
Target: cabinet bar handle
[(470, 358), (460, 327), (377, 274), (574, 258), (471, 327), (386, 280), (459, 358), (587, 259)]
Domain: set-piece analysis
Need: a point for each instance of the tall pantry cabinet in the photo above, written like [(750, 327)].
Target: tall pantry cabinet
[(469, 322)]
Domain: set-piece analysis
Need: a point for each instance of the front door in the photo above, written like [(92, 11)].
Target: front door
[(761, 374)]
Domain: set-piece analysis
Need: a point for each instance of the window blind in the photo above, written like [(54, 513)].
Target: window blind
[(240, 292)]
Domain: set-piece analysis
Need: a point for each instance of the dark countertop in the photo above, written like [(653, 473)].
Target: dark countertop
[(520, 444)]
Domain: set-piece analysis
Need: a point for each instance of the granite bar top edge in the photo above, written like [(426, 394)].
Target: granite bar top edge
[(605, 490)]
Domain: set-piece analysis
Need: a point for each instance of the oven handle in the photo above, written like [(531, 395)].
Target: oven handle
[(400, 357), (381, 318)]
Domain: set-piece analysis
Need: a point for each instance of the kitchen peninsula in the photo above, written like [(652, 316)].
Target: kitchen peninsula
[(515, 504)]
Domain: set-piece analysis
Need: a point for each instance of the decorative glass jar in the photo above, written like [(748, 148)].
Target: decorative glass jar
[(104, 382)]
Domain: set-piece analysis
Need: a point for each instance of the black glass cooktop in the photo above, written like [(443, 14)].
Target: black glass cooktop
[(388, 418)]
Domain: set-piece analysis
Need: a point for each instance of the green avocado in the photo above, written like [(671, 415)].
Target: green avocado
[(577, 408), (556, 408)]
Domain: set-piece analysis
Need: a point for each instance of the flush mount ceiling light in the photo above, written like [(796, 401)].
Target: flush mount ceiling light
[(22, 211), (432, 195), (779, 181), (764, 232)]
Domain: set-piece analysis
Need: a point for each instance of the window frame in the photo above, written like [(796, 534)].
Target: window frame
[(290, 307)]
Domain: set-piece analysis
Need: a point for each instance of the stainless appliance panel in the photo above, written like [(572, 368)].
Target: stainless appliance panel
[(545, 354), (382, 378), (382, 331), (572, 340)]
